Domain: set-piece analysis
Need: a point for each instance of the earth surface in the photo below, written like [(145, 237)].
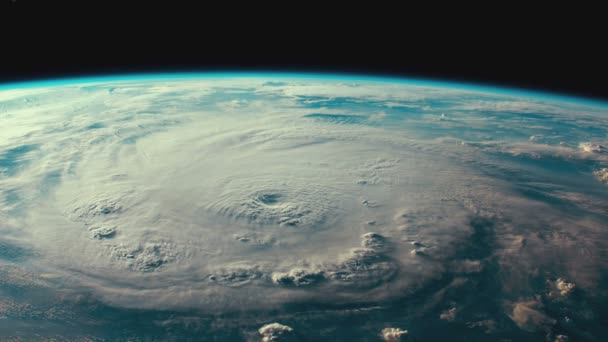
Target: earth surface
[(242, 207)]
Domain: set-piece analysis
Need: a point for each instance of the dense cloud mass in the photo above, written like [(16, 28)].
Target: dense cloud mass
[(393, 334), (212, 206)]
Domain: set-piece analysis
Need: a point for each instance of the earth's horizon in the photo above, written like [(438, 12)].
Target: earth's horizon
[(300, 207)]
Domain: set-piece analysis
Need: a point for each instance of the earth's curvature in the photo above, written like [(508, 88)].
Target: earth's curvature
[(247, 207)]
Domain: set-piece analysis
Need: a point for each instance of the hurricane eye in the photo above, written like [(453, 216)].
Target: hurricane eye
[(269, 199)]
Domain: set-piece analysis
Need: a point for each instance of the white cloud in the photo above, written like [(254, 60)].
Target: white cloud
[(274, 332), (601, 175), (393, 334), (448, 315), (592, 147), (560, 288)]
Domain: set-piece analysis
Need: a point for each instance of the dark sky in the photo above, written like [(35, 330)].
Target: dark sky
[(555, 54)]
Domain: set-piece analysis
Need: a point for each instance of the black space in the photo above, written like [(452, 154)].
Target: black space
[(562, 54)]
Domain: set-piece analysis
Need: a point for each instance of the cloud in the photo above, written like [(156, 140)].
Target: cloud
[(298, 277), (275, 332), (528, 315), (393, 334), (229, 196), (592, 147), (560, 288), (601, 175), (373, 241), (448, 315), (378, 116)]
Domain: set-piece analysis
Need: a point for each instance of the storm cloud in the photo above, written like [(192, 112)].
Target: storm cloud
[(250, 196)]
